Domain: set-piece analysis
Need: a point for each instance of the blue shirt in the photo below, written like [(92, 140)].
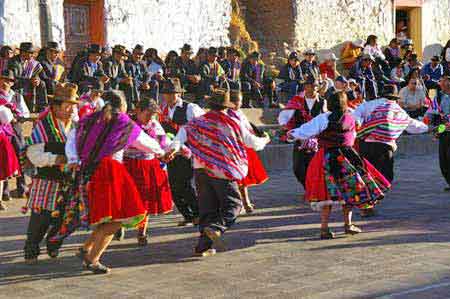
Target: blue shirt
[(435, 74)]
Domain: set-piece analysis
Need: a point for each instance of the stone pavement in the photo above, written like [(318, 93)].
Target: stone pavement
[(275, 253)]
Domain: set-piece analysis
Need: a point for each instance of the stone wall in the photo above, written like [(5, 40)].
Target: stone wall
[(435, 26), (19, 21), (57, 18), (167, 24)]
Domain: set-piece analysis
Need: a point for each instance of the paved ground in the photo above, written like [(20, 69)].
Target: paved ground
[(404, 252)]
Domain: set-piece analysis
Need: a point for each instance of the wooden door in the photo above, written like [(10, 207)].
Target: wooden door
[(76, 25)]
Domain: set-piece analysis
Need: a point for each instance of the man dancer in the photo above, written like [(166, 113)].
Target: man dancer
[(176, 113), (382, 121), (46, 152), (217, 144)]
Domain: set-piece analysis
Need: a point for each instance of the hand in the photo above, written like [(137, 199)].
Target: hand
[(73, 166), (145, 86), (35, 82), (104, 79), (61, 160), (169, 156)]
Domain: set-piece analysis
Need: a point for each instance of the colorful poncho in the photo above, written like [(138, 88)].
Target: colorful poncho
[(215, 140), (385, 124)]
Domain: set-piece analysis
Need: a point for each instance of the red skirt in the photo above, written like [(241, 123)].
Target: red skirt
[(9, 165), (257, 174), (152, 183), (113, 196)]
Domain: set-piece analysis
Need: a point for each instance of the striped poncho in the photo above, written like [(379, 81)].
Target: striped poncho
[(215, 140), (385, 124)]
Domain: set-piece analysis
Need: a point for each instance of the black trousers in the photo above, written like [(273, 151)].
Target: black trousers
[(301, 160), (444, 155), (183, 193), (381, 156), (219, 205), (40, 225)]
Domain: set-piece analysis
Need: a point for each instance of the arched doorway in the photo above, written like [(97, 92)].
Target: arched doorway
[(83, 25)]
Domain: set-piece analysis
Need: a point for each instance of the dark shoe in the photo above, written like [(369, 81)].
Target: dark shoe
[(2, 206), (216, 237), (81, 254), (120, 234), (97, 268), (53, 253), (142, 240), (185, 222), (204, 253), (367, 212), (352, 229), (326, 234), (6, 197)]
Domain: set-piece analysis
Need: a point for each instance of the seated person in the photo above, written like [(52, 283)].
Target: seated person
[(412, 99), (292, 76), (432, 72), (350, 53), (328, 66), (398, 73)]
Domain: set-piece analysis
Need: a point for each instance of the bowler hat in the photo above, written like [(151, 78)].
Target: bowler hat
[(390, 91), (65, 92), (220, 97), (8, 75), (27, 47), (95, 49), (187, 48), (53, 46), (120, 50), (172, 85)]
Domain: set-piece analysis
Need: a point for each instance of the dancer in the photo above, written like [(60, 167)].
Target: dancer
[(257, 175), (298, 111), (218, 144), (149, 174), (45, 151), (382, 121), (107, 197), (337, 176), (91, 101)]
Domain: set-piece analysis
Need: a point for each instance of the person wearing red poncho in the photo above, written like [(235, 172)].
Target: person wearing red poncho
[(217, 143), (257, 174), (107, 197)]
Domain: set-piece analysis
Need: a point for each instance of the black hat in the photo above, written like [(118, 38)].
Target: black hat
[(27, 47), (53, 46), (8, 75), (390, 91), (255, 55), (120, 49), (293, 55), (435, 58), (171, 85), (139, 49), (187, 48), (220, 97), (213, 51), (95, 49)]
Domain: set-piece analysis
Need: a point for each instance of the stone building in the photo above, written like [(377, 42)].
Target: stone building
[(326, 24), (161, 24)]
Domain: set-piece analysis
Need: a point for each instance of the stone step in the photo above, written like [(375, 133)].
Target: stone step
[(260, 116)]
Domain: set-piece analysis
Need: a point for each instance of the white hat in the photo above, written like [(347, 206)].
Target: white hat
[(358, 43), (309, 51), (331, 56)]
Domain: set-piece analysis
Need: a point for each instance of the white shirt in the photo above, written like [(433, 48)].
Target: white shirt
[(312, 128), (143, 143), (286, 115), (375, 51), (192, 111), (6, 115), (447, 55), (18, 100), (363, 111)]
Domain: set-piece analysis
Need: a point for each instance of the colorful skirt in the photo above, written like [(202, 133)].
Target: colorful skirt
[(9, 165), (257, 174), (113, 196), (339, 176), (152, 183)]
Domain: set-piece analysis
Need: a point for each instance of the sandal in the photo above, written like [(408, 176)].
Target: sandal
[(249, 208), (352, 229), (326, 234), (97, 268)]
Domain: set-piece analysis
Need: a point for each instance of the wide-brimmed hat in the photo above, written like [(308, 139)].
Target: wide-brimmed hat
[(172, 85), (220, 97), (53, 46), (390, 91), (331, 56), (8, 75), (65, 92), (120, 50), (358, 43), (95, 49), (187, 48), (27, 47)]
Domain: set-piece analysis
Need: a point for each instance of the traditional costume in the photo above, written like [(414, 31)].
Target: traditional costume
[(337, 175), (300, 110), (89, 104), (220, 160), (10, 164)]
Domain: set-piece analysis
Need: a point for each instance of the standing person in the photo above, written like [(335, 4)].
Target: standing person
[(148, 173), (10, 164), (15, 102), (175, 114), (298, 111), (52, 71), (137, 69), (382, 121), (218, 144), (26, 71), (108, 198), (45, 151), (337, 176), (257, 174)]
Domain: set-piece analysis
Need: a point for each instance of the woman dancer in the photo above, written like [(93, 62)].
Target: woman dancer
[(337, 176), (257, 175), (108, 198), (147, 171)]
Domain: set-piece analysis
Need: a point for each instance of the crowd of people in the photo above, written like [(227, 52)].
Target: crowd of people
[(114, 141)]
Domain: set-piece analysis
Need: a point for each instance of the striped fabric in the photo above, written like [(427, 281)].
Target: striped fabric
[(44, 195), (32, 69), (47, 129), (216, 143), (385, 124)]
